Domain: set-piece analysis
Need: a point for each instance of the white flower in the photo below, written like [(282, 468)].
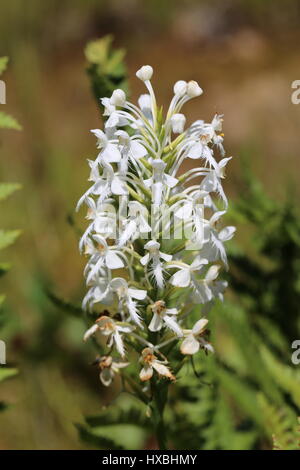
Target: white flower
[(109, 367), (99, 292), (154, 256), (159, 181), (127, 297), (109, 108), (102, 256), (150, 362), (145, 73), (136, 223), (161, 315), (111, 329), (194, 339), (203, 288), (214, 239), (183, 277), (131, 149)]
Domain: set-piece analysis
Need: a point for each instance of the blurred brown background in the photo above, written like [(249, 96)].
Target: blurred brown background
[(244, 54)]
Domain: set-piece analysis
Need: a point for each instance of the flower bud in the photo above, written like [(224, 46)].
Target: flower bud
[(178, 123), (118, 98), (180, 88), (193, 89), (145, 73)]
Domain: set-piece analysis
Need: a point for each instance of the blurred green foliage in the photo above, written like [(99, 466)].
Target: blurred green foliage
[(7, 237)]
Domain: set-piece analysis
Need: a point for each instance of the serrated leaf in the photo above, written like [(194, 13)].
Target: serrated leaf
[(112, 66), (6, 189), (96, 52), (3, 64), (101, 442), (132, 416), (64, 305), (8, 237), (7, 373), (8, 122)]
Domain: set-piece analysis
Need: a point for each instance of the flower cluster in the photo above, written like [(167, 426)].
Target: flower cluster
[(150, 274)]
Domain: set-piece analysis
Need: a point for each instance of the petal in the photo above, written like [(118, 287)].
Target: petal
[(113, 261), (195, 151), (119, 343), (156, 323), (217, 215), (172, 311), (189, 345), (138, 294), (146, 373), (170, 181), (90, 332), (199, 326), (117, 364), (162, 370), (145, 259), (185, 211), (226, 233), (212, 273), (111, 154), (173, 325), (148, 183), (181, 279), (106, 377), (165, 256), (138, 149), (118, 282), (118, 187)]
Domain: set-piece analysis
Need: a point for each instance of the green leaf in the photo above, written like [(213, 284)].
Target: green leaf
[(8, 237), (7, 373), (3, 64), (8, 122), (6, 189), (132, 416), (96, 52), (62, 304), (286, 377), (106, 68), (96, 440)]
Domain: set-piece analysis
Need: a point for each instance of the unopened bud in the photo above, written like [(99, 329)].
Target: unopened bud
[(180, 88), (145, 73), (118, 98), (193, 89)]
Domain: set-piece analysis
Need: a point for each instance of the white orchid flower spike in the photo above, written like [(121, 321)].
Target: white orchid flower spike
[(153, 174)]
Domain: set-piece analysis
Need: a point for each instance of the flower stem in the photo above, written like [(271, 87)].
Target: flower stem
[(159, 400)]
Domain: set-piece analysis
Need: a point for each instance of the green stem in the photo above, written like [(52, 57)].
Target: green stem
[(159, 400)]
